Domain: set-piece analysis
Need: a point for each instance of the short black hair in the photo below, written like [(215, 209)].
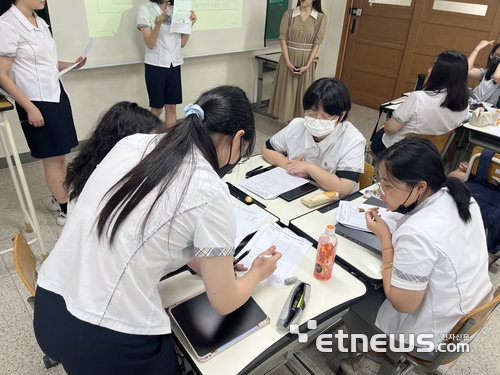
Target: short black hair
[(329, 93), (450, 73)]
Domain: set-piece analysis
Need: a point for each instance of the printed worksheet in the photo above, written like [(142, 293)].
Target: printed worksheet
[(352, 215), (180, 19), (270, 184), (293, 248), (247, 220), (89, 47)]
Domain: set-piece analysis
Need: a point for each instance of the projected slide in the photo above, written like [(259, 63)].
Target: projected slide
[(104, 16)]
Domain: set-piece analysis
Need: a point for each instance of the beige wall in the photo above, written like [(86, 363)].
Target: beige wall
[(94, 90)]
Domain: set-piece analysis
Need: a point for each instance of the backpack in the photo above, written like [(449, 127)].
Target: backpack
[(486, 192)]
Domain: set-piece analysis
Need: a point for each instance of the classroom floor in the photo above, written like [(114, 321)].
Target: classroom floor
[(19, 352)]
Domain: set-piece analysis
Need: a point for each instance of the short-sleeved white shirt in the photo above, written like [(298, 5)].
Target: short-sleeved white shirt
[(34, 68), (117, 288), (487, 90), (342, 150), (435, 251), (167, 49), (421, 113)]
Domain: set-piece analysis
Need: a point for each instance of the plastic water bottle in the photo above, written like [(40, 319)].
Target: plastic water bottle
[(325, 256)]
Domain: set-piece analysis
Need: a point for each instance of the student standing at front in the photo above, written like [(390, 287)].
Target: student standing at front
[(29, 72), (163, 57)]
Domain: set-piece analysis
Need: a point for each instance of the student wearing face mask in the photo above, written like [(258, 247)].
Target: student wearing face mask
[(155, 203), (488, 89), (322, 145), (435, 264)]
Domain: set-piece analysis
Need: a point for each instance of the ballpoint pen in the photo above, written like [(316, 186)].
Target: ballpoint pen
[(244, 254), (250, 172)]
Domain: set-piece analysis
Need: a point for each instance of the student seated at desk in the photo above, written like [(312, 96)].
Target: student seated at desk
[(322, 145), (488, 89), (121, 120), (440, 107), (156, 203), (435, 264)]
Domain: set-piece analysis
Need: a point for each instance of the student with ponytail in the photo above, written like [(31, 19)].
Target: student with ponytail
[(154, 204), (435, 264)]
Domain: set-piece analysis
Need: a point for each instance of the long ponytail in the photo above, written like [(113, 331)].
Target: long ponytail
[(461, 195)]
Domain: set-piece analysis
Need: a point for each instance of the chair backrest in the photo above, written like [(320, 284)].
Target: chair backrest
[(25, 262), (366, 178), (494, 170), (440, 141)]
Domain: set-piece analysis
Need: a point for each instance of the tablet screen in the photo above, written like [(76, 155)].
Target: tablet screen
[(208, 331)]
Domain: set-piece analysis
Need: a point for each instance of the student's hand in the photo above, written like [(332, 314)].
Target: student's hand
[(240, 267), (375, 223), (484, 43), (266, 267), (193, 17), (291, 67), (298, 167), (159, 19), (82, 61), (302, 69), (35, 117)]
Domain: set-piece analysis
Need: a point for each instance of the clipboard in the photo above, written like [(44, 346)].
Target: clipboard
[(207, 332)]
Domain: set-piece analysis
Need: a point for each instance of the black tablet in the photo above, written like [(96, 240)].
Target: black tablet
[(298, 192), (207, 332)]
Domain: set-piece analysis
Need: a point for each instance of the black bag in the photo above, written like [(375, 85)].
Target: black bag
[(486, 192)]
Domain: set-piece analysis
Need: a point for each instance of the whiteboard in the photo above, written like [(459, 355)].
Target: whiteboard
[(223, 26)]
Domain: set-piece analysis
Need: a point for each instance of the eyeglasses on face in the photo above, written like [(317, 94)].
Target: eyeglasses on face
[(314, 115), (495, 55)]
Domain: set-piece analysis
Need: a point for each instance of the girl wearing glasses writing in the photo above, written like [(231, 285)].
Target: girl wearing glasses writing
[(488, 89), (322, 145)]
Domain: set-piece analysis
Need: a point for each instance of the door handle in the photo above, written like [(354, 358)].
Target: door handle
[(353, 26)]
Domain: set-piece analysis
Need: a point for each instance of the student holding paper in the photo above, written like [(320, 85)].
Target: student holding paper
[(154, 204), (163, 57), (322, 145), (29, 72), (435, 264)]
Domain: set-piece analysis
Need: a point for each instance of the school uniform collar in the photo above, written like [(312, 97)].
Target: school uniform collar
[(24, 21), (296, 12), (328, 141)]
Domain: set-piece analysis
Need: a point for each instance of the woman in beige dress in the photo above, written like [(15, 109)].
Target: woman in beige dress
[(301, 32)]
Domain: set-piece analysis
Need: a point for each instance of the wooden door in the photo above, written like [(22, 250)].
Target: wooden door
[(434, 31), (375, 47)]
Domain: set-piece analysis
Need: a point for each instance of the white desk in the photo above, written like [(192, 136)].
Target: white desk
[(269, 347), (482, 137), (284, 210), (363, 262)]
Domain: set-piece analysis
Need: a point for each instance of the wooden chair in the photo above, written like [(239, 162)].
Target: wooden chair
[(442, 142), (469, 325), (25, 263), (366, 178)]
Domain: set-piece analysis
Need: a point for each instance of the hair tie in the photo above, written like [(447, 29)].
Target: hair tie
[(194, 109)]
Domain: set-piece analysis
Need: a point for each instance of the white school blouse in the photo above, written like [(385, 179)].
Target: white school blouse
[(34, 67), (341, 151), (487, 90), (167, 49), (116, 287), (435, 251), (421, 113)]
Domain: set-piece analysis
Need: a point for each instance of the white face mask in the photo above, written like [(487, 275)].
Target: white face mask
[(319, 128)]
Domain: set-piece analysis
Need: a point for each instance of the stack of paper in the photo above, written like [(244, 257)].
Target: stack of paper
[(293, 248), (272, 183), (352, 215)]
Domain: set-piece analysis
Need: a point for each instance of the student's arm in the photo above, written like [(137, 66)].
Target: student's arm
[(61, 65), (151, 36), (284, 53), (185, 37), (475, 73), (310, 60), (403, 300), (226, 293), (392, 126), (274, 157), (330, 181), (35, 117), (274, 148)]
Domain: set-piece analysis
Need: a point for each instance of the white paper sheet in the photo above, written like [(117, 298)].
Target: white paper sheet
[(247, 220), (89, 47), (352, 215), (293, 248), (270, 184), (180, 18)]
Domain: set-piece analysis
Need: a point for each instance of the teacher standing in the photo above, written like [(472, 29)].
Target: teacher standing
[(29, 72), (163, 57), (301, 32)]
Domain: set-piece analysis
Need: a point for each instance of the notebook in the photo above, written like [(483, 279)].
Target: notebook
[(209, 333)]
